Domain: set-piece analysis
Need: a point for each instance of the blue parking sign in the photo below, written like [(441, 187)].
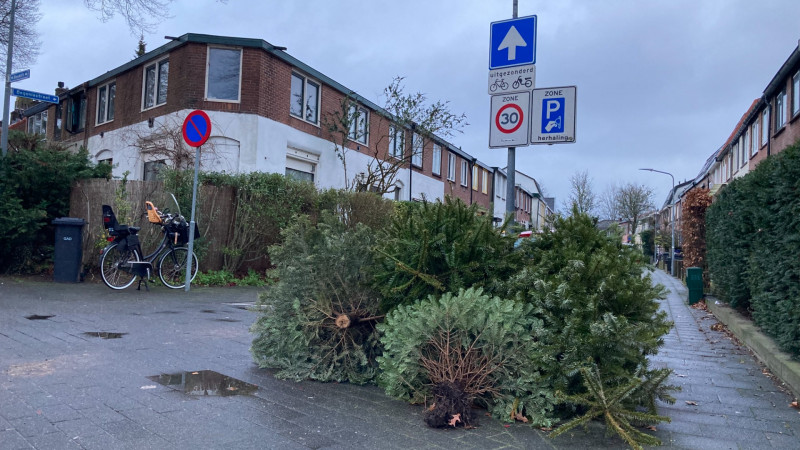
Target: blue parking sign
[(553, 115), (512, 42)]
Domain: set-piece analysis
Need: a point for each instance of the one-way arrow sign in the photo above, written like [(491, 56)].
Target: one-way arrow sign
[(512, 42)]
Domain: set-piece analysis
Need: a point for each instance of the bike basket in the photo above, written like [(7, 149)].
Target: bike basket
[(183, 233), (152, 213)]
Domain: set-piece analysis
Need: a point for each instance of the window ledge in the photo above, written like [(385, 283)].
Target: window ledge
[(779, 130)]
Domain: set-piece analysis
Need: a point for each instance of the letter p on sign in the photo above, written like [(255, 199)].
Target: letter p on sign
[(553, 115)]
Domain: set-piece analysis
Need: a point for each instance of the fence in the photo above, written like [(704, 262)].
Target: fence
[(214, 216)]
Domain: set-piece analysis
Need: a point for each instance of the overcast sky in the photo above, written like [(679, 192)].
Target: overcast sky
[(661, 83)]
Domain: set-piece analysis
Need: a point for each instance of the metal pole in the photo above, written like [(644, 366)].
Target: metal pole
[(189, 258), (511, 166), (7, 95), (671, 220), (672, 225)]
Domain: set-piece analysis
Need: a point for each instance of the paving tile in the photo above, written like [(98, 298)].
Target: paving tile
[(11, 439), (32, 426)]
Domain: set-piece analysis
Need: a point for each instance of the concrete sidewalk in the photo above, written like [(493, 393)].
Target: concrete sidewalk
[(61, 388)]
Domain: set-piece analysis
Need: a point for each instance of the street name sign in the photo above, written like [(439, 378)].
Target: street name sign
[(510, 120), (512, 79), (553, 115), (512, 42), (34, 95), (21, 75)]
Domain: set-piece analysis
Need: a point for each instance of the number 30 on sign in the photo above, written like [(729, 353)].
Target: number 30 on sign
[(509, 120)]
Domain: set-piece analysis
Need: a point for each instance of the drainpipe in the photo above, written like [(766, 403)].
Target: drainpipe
[(411, 163)]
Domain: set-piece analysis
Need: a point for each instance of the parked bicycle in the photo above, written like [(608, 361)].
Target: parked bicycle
[(121, 261)]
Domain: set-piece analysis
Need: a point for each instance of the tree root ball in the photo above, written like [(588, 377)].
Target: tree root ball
[(450, 401), (343, 321)]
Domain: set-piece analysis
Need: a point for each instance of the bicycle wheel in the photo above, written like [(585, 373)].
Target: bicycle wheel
[(115, 269), (172, 267)]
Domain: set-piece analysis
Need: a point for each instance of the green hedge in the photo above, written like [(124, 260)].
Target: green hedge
[(753, 246)]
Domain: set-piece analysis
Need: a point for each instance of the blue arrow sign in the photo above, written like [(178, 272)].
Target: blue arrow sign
[(512, 42), (34, 95), (21, 75)]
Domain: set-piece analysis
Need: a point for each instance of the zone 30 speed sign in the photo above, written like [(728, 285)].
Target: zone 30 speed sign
[(509, 120)]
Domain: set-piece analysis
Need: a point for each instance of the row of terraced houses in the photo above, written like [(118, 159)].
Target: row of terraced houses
[(767, 127), (267, 110)]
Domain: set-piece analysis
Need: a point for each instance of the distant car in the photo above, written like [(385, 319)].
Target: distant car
[(528, 234)]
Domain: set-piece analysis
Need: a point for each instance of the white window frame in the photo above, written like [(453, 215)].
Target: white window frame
[(397, 140), (416, 150), (108, 101), (475, 177), (764, 126), (156, 65), (464, 173), (748, 145), (780, 109), (754, 138), (238, 81), (436, 165), (37, 123), (359, 120), (485, 184), (451, 166), (304, 114), (796, 94)]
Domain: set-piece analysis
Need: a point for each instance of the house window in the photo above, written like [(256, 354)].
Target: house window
[(753, 138), (796, 94), (155, 84), (37, 123), (464, 173), (416, 148), (152, 169), (451, 167), (437, 160), (474, 178), (485, 184), (76, 112), (359, 117), (764, 126), (396, 141), (57, 124), (780, 110), (305, 98), (223, 74), (105, 102), (747, 144)]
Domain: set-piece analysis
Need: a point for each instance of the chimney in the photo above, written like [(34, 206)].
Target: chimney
[(61, 89)]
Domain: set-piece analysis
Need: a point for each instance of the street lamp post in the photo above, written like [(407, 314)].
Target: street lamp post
[(671, 221)]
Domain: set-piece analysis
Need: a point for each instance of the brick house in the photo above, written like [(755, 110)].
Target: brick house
[(269, 113)]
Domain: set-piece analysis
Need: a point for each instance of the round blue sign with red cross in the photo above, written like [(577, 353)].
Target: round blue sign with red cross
[(196, 128)]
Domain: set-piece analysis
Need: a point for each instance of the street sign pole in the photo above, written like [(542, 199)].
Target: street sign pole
[(511, 166), (7, 94), (196, 130)]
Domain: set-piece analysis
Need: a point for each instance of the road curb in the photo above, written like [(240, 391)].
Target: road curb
[(779, 363)]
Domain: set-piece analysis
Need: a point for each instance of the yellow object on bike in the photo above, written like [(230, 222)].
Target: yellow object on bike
[(152, 213)]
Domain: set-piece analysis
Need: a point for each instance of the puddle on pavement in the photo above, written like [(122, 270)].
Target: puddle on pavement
[(227, 319), (205, 382), (38, 317), (104, 334)]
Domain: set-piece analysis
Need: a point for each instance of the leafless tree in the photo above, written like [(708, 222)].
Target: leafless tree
[(407, 111), (633, 201), (26, 38), (142, 16), (607, 203), (581, 196), (165, 142)]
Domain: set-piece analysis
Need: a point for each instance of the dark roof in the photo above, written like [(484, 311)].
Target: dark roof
[(788, 68)]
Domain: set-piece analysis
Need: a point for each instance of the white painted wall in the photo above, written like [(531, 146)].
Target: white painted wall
[(250, 143)]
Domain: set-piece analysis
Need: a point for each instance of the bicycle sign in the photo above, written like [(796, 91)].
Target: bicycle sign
[(509, 120), (514, 79)]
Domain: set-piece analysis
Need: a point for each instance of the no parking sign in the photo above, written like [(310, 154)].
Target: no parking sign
[(196, 128)]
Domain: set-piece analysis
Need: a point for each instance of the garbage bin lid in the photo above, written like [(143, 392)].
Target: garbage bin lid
[(75, 221)]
